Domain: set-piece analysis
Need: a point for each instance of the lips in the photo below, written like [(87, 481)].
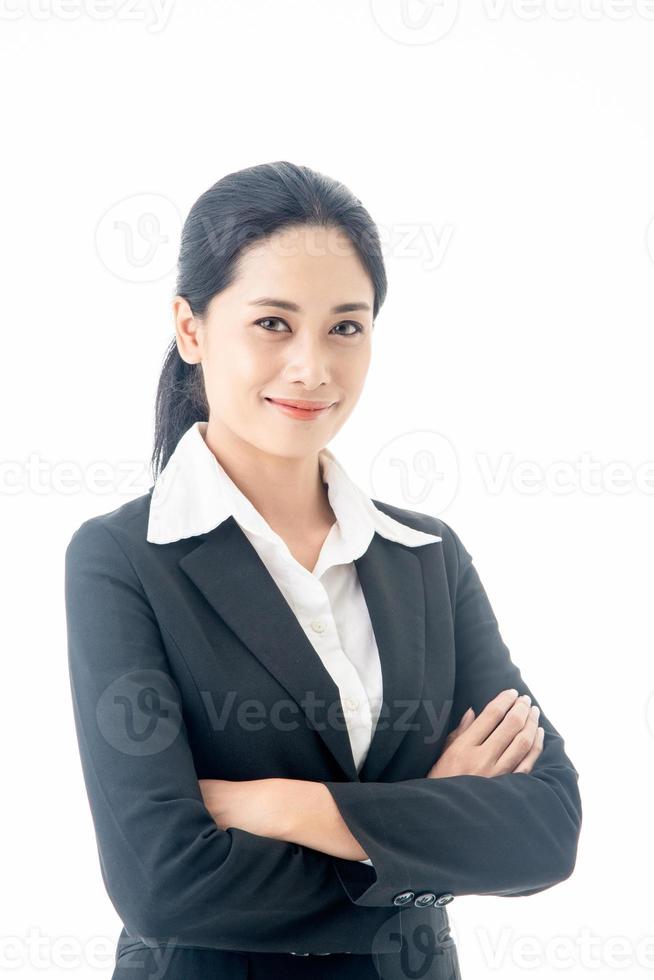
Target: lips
[(296, 408), (309, 406)]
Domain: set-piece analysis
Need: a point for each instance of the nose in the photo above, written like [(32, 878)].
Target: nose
[(308, 361)]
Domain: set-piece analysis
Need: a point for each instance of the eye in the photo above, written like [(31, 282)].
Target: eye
[(269, 319), (277, 319), (352, 323)]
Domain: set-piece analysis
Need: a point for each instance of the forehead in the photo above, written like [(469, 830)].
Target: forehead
[(312, 260)]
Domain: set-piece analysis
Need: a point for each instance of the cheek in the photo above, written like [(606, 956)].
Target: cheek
[(358, 370), (235, 375), (254, 364)]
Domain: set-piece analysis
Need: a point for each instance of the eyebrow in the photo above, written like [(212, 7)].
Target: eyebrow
[(285, 304)]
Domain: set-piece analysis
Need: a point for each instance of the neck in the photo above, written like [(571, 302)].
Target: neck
[(288, 491)]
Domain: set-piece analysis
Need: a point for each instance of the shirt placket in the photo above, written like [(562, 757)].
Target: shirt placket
[(316, 617)]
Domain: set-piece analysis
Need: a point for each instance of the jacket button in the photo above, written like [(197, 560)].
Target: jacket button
[(444, 898), (427, 898), (403, 898)]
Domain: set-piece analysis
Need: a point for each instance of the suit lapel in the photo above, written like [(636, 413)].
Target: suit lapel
[(228, 571), (391, 579)]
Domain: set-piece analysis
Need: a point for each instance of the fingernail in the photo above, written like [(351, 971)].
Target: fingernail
[(513, 692), (535, 710), (526, 698)]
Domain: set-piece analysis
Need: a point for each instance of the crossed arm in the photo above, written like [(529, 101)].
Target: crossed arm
[(295, 810), (504, 738)]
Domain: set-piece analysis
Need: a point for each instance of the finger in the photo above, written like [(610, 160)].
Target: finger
[(521, 745), (491, 716), (527, 763), (513, 722), (466, 720)]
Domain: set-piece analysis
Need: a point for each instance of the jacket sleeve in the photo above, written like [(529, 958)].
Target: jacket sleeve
[(509, 835), (168, 869)]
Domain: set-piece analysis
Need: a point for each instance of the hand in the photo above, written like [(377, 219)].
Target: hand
[(504, 738), (259, 806)]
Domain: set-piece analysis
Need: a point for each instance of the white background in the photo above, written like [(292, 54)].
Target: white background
[(506, 153)]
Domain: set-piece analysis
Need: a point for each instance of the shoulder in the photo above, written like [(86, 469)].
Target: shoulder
[(454, 551), (122, 528)]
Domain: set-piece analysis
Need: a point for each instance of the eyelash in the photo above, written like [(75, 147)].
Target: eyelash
[(281, 320)]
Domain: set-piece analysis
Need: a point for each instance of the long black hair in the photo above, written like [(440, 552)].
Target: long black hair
[(240, 209)]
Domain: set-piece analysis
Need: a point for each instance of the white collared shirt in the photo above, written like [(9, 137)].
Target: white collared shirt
[(193, 494)]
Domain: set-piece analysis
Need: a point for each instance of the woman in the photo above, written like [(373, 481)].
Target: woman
[(286, 693)]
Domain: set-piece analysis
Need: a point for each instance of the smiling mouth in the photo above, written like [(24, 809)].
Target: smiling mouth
[(305, 406), (294, 411)]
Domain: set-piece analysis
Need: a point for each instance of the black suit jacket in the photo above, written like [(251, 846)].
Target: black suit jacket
[(187, 663)]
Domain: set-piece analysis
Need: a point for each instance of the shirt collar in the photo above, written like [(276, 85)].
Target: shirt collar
[(193, 494)]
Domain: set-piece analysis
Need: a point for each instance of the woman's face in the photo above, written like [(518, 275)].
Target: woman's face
[(252, 348)]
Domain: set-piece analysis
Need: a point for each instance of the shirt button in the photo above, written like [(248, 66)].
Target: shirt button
[(427, 898), (404, 898), (318, 625), (351, 704), (444, 898)]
